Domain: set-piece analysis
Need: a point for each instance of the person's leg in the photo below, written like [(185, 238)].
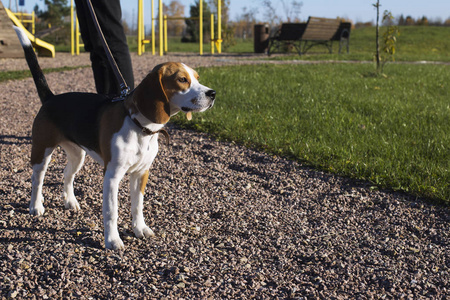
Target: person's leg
[(109, 16), (105, 80), (93, 45), (111, 21)]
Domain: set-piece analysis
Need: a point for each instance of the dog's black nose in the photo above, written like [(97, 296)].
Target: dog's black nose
[(211, 94)]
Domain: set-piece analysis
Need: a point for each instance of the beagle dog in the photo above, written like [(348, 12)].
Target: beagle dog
[(120, 135)]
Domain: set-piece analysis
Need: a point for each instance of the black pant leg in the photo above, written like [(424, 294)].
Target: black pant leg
[(109, 15)]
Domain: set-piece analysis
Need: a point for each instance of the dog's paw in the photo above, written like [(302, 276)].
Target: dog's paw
[(37, 210), (115, 244), (144, 232), (72, 204)]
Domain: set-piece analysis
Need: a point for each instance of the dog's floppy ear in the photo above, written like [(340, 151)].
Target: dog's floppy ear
[(150, 96)]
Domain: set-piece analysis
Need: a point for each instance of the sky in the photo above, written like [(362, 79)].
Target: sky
[(355, 10)]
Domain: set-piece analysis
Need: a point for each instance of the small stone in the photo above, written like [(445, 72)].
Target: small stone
[(13, 294), (181, 285), (207, 283), (243, 260), (181, 278)]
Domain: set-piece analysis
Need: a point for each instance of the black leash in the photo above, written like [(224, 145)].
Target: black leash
[(125, 89)]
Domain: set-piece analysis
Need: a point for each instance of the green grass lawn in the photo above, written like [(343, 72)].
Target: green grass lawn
[(394, 131), (415, 43)]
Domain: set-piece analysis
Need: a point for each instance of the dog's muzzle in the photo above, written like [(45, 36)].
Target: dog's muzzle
[(208, 102)]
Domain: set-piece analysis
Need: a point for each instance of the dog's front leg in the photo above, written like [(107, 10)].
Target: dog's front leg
[(138, 181), (111, 208)]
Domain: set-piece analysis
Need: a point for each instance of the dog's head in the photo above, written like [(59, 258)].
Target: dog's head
[(170, 88)]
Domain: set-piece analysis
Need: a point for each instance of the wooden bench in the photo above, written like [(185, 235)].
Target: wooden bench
[(304, 36)]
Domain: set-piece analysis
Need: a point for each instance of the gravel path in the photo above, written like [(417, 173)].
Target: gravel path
[(141, 63), (230, 222)]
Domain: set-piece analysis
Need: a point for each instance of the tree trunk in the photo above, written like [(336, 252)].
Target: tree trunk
[(377, 36)]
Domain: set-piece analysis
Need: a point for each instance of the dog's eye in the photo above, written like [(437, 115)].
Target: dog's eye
[(183, 79)]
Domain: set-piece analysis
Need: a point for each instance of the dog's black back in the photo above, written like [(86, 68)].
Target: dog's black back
[(77, 115)]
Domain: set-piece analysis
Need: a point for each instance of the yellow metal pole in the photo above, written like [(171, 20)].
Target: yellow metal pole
[(139, 28), (153, 29), (161, 29), (219, 26), (201, 27), (165, 34), (77, 38), (212, 33), (72, 44), (143, 28), (33, 23)]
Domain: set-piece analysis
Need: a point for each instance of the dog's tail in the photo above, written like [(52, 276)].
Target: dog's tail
[(38, 76)]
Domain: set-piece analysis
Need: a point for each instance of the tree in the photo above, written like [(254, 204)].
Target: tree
[(244, 23), (174, 10), (409, 21), (377, 31), (389, 39), (401, 20), (225, 7), (228, 29), (192, 26), (270, 13), (291, 11), (126, 28), (423, 21), (55, 13)]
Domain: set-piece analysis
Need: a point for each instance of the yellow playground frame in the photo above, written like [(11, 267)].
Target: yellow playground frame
[(162, 20), (43, 48)]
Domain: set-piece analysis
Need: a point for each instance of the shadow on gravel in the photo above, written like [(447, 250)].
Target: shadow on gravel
[(78, 236), (14, 140)]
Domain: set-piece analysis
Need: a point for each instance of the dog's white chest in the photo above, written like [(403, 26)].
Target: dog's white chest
[(145, 154), (131, 150)]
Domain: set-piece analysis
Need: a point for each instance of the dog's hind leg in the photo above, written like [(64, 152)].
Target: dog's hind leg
[(137, 191), (37, 180), (75, 160), (45, 137)]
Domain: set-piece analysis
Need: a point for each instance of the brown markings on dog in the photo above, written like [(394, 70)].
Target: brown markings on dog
[(175, 79), (151, 100), (153, 94), (144, 180)]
